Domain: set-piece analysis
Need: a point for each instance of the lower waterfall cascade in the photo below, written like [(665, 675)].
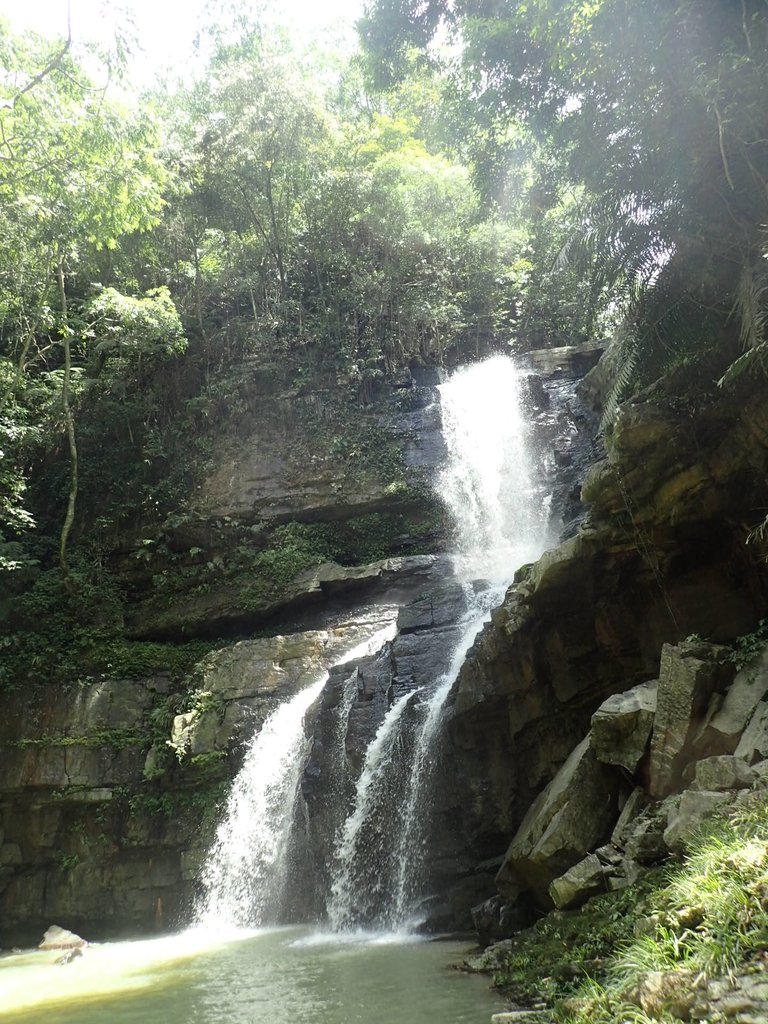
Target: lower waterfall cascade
[(494, 491), (245, 872)]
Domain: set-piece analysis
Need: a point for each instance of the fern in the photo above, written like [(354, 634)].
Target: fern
[(751, 307), (754, 359), (675, 305)]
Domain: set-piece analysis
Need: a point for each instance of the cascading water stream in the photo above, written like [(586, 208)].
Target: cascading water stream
[(490, 487), (245, 873), (368, 794)]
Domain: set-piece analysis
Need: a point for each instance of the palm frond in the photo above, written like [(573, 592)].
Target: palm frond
[(751, 305), (754, 359)]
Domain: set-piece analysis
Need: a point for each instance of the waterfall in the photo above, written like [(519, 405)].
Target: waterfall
[(490, 487), (490, 484), (245, 872)]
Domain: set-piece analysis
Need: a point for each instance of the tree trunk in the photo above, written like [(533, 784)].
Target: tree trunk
[(69, 421)]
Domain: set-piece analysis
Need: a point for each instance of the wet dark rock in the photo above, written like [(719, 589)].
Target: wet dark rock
[(571, 817), (496, 918), (660, 557)]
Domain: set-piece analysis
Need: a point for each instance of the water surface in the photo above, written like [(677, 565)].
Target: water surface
[(278, 976)]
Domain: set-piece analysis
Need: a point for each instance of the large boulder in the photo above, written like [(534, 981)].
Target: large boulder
[(621, 726), (662, 993), (585, 879), (572, 816), (747, 690), (633, 807), (753, 745), (57, 937), (645, 843), (496, 918), (717, 774), (688, 816), (689, 675)]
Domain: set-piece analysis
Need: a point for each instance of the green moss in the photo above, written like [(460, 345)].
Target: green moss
[(296, 547), (119, 739), (201, 806), (68, 636)]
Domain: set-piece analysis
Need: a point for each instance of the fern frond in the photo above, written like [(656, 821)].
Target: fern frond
[(751, 306), (753, 359)]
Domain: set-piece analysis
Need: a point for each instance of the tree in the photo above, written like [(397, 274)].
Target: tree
[(77, 173), (326, 228), (656, 111)]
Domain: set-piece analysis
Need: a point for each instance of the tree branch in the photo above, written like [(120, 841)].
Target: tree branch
[(52, 64), (726, 168)]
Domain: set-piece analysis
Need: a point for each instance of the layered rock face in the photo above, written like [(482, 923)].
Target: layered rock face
[(304, 488), (429, 630), (104, 823), (662, 555), (109, 801), (109, 790), (658, 760)]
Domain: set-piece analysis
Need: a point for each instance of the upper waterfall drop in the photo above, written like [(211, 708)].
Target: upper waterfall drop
[(489, 481)]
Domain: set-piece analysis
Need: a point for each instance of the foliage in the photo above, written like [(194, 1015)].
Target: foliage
[(552, 958), (749, 646), (322, 228), (655, 113), (65, 636), (705, 915), (130, 327), (78, 173), (565, 168), (119, 739), (320, 234)]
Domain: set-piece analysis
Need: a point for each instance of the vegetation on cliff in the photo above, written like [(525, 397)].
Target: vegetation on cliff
[(649, 952), (645, 124), (318, 220), (271, 224)]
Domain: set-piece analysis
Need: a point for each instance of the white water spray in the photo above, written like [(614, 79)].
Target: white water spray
[(245, 872), (368, 792), (489, 480)]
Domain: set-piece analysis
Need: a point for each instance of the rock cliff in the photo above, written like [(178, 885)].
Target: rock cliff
[(664, 554), (109, 789)]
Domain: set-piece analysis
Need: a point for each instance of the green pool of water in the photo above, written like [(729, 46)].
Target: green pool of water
[(281, 976)]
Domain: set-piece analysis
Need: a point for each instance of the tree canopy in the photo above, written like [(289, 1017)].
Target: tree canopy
[(655, 112), (483, 173)]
